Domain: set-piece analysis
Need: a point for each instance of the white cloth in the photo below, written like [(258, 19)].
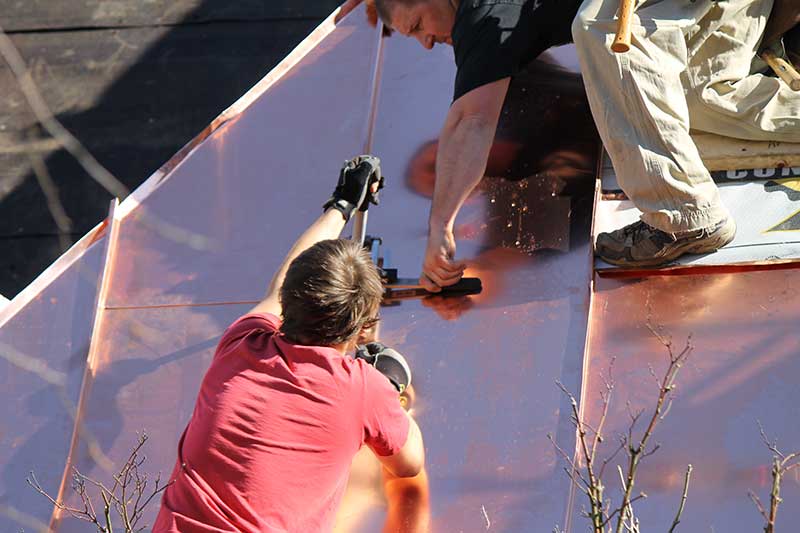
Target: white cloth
[(689, 66)]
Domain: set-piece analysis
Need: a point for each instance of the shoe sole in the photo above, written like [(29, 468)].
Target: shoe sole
[(711, 244)]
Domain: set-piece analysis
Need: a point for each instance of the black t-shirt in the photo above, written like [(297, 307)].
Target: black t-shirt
[(494, 39)]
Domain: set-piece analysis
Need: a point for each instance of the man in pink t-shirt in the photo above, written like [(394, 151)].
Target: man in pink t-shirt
[(283, 408)]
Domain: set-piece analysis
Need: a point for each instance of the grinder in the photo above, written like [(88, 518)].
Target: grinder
[(388, 362)]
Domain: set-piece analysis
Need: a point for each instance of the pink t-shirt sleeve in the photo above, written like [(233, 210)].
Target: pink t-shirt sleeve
[(264, 323), (385, 422)]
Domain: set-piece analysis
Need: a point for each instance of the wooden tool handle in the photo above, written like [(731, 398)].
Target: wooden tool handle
[(783, 69), (622, 41)]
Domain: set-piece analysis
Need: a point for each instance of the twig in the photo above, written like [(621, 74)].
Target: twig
[(781, 464), (595, 486), (107, 512), (486, 517), (775, 495), (772, 446), (611, 457), (683, 499), (589, 440), (128, 496), (84, 515), (637, 452), (757, 501)]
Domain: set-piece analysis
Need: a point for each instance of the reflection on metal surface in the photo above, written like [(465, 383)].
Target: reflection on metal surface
[(48, 324), (744, 369), (484, 365)]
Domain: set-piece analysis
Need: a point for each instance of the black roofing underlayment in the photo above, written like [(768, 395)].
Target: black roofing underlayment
[(134, 85)]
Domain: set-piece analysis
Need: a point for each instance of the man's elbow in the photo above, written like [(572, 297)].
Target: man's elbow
[(472, 119), (410, 467), (411, 460), (480, 107)]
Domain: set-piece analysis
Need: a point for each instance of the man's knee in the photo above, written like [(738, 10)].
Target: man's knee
[(579, 27), (582, 33)]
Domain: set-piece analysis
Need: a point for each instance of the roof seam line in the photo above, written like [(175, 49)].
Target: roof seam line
[(171, 306)]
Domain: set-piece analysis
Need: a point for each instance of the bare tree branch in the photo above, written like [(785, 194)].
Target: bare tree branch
[(128, 497), (639, 451), (781, 464), (589, 479), (685, 494), (758, 504)]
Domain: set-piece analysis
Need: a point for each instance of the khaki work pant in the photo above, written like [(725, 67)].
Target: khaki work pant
[(689, 66)]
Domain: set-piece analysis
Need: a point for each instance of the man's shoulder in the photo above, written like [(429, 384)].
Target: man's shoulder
[(251, 321), (469, 9), (473, 14), (265, 324)]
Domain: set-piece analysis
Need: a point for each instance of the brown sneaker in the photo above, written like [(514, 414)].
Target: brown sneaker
[(640, 245)]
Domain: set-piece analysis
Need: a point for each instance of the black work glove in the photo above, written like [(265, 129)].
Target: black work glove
[(352, 191), (388, 362)]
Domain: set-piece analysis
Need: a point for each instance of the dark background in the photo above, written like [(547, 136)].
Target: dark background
[(133, 80)]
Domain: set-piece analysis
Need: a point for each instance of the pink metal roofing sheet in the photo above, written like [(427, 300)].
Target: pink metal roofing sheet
[(244, 192), (44, 336), (483, 366), (198, 242), (151, 364), (743, 370)]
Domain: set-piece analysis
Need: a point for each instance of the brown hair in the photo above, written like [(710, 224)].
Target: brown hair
[(385, 9), (331, 291)]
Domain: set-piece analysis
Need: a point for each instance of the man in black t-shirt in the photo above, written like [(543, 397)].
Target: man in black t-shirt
[(493, 40), (689, 58)]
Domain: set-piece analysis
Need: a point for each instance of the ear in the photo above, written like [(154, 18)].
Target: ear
[(365, 336), (368, 334)]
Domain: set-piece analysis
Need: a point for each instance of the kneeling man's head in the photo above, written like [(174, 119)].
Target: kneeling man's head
[(331, 293), (428, 21)]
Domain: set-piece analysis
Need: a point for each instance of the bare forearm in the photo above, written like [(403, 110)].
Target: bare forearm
[(408, 503), (464, 147), (328, 226), (460, 164)]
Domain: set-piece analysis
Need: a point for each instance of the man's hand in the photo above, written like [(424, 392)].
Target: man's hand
[(358, 185), (439, 269), (464, 146), (359, 182), (388, 362)]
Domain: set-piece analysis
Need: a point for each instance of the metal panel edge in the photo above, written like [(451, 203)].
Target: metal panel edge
[(576, 455), (58, 267), (91, 358), (231, 113)]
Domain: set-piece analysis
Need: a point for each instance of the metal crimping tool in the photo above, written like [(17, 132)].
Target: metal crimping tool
[(397, 287)]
